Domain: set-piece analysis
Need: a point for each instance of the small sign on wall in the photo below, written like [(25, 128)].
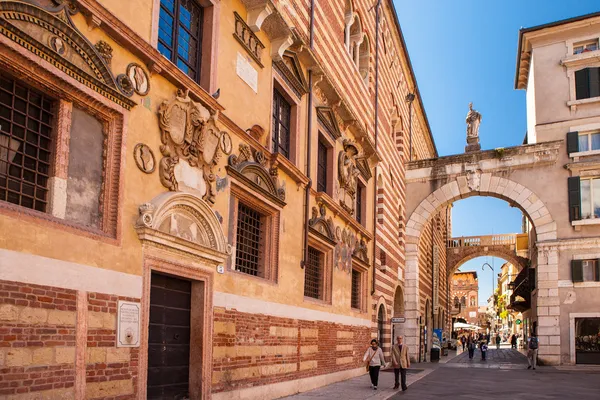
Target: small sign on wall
[(245, 71), (128, 324)]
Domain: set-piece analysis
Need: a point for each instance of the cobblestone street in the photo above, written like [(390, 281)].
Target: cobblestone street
[(504, 375)]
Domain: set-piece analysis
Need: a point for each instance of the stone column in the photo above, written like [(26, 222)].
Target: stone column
[(548, 304), (411, 305)]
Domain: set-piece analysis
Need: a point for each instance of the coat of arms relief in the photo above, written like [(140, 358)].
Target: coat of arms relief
[(191, 146)]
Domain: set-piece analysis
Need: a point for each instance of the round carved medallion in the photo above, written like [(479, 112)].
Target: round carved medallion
[(144, 158), (57, 44), (225, 143), (139, 79), (125, 84)]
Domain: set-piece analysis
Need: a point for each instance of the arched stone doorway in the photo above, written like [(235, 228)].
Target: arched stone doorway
[(381, 325), (486, 184), (398, 313)]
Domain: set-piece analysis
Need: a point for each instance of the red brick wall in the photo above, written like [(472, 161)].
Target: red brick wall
[(254, 349), (37, 338)]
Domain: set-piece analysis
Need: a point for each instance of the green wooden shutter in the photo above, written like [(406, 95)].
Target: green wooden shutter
[(572, 142), (574, 186), (582, 84), (577, 270), (597, 270), (594, 75)]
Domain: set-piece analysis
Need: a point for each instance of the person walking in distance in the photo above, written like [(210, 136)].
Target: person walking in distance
[(463, 341), (375, 360), (513, 342), (532, 350), (483, 347), (498, 341), (471, 346), (400, 362)]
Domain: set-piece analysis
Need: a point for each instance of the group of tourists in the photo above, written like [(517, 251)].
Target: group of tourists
[(472, 341), (400, 362)]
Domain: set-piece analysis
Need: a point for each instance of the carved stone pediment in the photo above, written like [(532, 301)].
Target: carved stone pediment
[(191, 146), (360, 252), (321, 225), (252, 168), (290, 69), (347, 176), (51, 34), (363, 166), (328, 120), (183, 222)]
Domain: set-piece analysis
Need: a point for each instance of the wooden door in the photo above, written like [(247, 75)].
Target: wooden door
[(169, 338)]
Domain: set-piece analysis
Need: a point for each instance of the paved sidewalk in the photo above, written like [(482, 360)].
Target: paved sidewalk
[(359, 388)]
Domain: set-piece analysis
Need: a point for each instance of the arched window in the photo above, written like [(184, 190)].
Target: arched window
[(348, 19), (363, 59), (354, 34), (456, 302), (463, 301), (472, 301)]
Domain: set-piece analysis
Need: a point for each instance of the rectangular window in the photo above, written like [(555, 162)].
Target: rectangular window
[(322, 167), (356, 289), (26, 118), (313, 274), (359, 202), (180, 34), (282, 112), (249, 241), (589, 141), (583, 47), (585, 271), (590, 198), (587, 83)]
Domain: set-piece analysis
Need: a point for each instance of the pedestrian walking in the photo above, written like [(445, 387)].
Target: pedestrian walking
[(513, 342), (471, 347), (464, 342), (375, 360), (400, 362), (483, 347), (498, 341), (532, 351)]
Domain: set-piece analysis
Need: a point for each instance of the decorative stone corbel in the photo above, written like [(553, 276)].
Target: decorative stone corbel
[(93, 21), (257, 15), (279, 46)]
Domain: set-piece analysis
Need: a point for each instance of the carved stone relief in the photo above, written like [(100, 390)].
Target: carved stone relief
[(191, 146), (345, 249), (360, 251), (347, 176), (105, 51), (139, 79), (474, 179), (251, 166), (321, 224), (144, 158)]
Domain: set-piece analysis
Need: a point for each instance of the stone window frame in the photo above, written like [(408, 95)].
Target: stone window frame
[(327, 250), (271, 221), (294, 100), (363, 270), (68, 93), (209, 48), (576, 62), (331, 165)]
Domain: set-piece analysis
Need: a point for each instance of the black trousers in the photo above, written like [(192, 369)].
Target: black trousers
[(374, 374), (471, 353), (402, 373)]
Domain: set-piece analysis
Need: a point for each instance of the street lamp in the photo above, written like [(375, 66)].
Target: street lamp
[(492, 268)]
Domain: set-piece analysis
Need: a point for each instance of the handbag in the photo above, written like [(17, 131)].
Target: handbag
[(369, 362)]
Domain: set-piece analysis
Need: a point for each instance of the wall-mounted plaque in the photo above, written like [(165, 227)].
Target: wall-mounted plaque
[(128, 324)]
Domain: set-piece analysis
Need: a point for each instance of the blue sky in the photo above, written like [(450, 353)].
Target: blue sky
[(465, 51)]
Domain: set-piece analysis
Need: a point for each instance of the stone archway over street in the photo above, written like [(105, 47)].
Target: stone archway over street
[(435, 183)]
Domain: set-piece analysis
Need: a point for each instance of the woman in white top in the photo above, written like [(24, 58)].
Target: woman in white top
[(374, 359)]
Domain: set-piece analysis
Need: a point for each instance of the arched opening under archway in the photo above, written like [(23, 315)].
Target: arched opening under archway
[(380, 324), (398, 312)]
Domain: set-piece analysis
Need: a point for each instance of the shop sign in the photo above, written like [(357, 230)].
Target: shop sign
[(398, 320), (518, 322)]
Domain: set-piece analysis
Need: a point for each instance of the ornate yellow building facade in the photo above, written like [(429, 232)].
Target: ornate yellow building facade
[(201, 198)]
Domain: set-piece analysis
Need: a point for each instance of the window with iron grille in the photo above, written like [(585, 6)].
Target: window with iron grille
[(26, 118), (355, 298), (180, 34), (313, 274), (359, 203), (249, 241), (282, 111), (322, 167)]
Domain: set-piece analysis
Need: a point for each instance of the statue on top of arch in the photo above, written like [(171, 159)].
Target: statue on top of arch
[(473, 121)]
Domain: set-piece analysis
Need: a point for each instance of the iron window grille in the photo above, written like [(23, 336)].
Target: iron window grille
[(322, 167), (313, 274), (355, 298), (26, 118), (282, 111), (249, 254), (180, 34)]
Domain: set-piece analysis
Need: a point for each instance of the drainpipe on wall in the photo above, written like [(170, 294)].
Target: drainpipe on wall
[(376, 141), (409, 99), (308, 142)]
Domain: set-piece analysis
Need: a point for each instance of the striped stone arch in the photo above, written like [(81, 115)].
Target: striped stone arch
[(518, 196)]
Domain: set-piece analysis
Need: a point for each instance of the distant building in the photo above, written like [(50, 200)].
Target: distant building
[(465, 295)]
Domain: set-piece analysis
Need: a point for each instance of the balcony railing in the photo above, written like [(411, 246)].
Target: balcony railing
[(487, 240)]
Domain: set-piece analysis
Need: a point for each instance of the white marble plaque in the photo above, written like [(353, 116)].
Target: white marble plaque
[(246, 71), (128, 324)]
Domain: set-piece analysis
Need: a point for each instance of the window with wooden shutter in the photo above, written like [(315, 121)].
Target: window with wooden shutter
[(587, 83), (322, 167), (574, 188), (577, 270), (572, 142), (282, 111)]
